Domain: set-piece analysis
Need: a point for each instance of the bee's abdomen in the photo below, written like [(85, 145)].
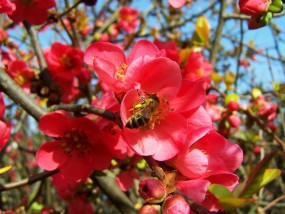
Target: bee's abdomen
[(137, 121)]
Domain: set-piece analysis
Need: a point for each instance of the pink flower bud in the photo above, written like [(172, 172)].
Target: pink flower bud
[(212, 98), (152, 190), (256, 150), (233, 106), (253, 7), (234, 120), (150, 209), (175, 204)]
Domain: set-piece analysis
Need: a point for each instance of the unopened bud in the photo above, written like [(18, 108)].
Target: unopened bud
[(150, 209), (233, 106), (175, 204), (258, 21), (152, 190), (234, 120)]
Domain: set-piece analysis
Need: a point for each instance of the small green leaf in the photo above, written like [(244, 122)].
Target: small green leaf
[(260, 176), (230, 203), (219, 191), (36, 206)]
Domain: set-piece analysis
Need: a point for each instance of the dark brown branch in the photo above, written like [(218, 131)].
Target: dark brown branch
[(88, 109), (27, 181)]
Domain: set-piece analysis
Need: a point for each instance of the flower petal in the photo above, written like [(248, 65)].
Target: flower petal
[(171, 135), (55, 124), (143, 48), (50, 155), (191, 95), (160, 76)]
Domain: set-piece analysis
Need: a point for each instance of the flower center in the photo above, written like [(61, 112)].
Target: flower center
[(65, 59), (27, 2), (75, 141), (121, 71), (148, 112)]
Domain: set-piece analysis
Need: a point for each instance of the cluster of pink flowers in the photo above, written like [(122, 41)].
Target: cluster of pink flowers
[(162, 113)]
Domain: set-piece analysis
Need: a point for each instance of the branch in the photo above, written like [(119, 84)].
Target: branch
[(218, 33), (36, 45), (27, 181), (9, 87), (89, 109), (118, 198)]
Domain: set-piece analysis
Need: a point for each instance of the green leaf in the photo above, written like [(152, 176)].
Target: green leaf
[(260, 176), (36, 206), (219, 191), (230, 203)]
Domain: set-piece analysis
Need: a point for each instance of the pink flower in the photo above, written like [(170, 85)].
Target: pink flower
[(128, 20), (253, 7), (197, 67), (4, 133), (170, 48), (197, 189), (114, 68), (65, 66), (206, 152), (21, 74), (70, 191), (164, 133), (176, 3), (33, 11), (6, 6), (76, 150)]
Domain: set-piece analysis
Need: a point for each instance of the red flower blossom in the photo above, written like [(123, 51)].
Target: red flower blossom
[(6, 6), (32, 11), (206, 152), (114, 68), (163, 136), (253, 7), (197, 67), (4, 133), (21, 74), (76, 151), (170, 48), (69, 190), (65, 66), (128, 20), (197, 189)]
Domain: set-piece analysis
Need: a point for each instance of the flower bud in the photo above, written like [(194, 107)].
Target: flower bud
[(253, 7), (233, 106), (258, 21), (150, 209), (234, 120), (175, 204), (152, 190)]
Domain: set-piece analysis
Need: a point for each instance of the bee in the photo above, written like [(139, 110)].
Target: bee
[(142, 111)]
